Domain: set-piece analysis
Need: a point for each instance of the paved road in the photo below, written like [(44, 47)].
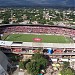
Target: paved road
[(16, 72)]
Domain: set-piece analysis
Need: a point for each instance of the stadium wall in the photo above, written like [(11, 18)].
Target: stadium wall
[(35, 44)]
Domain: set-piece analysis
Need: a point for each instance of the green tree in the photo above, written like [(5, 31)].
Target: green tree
[(51, 23), (38, 62), (42, 21), (67, 71), (65, 64), (6, 21), (20, 20), (33, 68), (21, 65), (25, 62)]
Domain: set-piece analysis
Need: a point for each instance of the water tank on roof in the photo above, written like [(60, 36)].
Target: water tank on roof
[(50, 50)]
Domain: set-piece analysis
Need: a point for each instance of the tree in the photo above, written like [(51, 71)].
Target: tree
[(38, 62), (20, 20), (33, 68), (42, 21), (51, 23), (65, 64), (25, 62), (21, 65), (67, 71), (6, 21)]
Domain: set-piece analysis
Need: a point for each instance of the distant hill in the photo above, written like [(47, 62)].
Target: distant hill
[(60, 3)]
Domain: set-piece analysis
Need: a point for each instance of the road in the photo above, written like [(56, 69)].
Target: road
[(16, 72)]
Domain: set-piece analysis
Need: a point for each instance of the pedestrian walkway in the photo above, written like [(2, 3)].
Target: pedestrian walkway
[(16, 72)]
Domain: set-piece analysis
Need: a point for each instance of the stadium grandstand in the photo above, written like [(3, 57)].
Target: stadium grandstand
[(41, 29), (31, 47)]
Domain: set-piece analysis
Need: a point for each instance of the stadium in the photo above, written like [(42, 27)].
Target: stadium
[(29, 39)]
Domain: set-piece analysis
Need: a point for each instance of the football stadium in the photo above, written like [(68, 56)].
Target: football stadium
[(48, 34), (30, 39)]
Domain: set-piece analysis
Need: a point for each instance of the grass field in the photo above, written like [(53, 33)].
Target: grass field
[(45, 38)]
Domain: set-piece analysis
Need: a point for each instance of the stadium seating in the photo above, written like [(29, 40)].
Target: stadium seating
[(39, 29)]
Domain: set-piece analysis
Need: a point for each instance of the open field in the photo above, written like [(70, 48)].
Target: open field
[(45, 38)]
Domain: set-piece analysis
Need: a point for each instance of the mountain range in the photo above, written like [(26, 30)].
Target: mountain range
[(61, 3)]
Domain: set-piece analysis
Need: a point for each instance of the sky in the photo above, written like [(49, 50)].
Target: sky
[(37, 2)]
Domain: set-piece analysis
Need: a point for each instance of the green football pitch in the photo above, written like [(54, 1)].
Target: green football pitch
[(45, 38)]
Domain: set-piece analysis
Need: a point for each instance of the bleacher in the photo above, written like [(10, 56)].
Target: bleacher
[(39, 29)]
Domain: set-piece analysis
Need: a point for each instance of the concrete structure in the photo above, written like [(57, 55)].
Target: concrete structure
[(3, 64), (35, 44)]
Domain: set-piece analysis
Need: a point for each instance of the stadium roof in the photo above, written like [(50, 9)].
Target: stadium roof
[(3, 25), (36, 44)]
